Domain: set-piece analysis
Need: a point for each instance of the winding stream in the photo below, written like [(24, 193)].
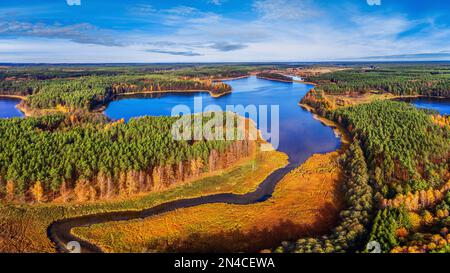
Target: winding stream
[(300, 137)]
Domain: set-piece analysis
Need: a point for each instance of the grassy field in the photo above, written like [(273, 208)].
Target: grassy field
[(23, 228), (305, 203), (348, 100)]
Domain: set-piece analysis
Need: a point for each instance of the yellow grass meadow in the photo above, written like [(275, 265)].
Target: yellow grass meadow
[(306, 202)]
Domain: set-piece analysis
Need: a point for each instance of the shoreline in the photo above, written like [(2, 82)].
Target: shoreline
[(20, 107), (174, 92), (34, 112), (232, 79), (310, 83), (338, 129), (101, 108), (395, 97), (276, 80), (19, 97)]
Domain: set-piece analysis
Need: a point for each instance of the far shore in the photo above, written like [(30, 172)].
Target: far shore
[(232, 78), (172, 91), (311, 83), (103, 107), (417, 96), (276, 80), (12, 96)]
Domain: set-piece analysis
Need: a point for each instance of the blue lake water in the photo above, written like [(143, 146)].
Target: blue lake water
[(440, 105), (8, 108), (300, 134)]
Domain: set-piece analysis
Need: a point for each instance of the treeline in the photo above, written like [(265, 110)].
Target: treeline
[(407, 154), (274, 76), (24, 80), (427, 232), (400, 230), (217, 72), (47, 72), (399, 80), (354, 220), (77, 158), (90, 92), (405, 149), (419, 200)]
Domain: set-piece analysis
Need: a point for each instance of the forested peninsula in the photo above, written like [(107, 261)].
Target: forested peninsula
[(68, 152), (398, 166)]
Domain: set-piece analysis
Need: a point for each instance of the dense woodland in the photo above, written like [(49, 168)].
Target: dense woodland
[(219, 72), (431, 80), (405, 149), (85, 158), (46, 72), (88, 87), (274, 76), (408, 168), (399, 230), (90, 92)]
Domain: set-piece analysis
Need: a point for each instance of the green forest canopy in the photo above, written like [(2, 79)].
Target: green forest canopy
[(405, 150), (55, 149), (428, 80)]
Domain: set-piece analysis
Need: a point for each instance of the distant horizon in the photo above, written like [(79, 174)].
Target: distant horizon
[(231, 63)]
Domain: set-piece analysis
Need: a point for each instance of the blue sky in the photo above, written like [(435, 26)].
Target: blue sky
[(222, 30)]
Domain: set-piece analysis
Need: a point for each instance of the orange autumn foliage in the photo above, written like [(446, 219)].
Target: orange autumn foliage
[(402, 232), (419, 200), (38, 191)]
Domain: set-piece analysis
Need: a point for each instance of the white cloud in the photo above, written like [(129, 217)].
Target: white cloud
[(81, 33), (73, 2), (284, 9), (284, 30), (216, 2), (142, 10)]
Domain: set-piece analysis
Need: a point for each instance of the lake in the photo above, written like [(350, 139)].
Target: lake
[(300, 134), (440, 105), (8, 108)]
